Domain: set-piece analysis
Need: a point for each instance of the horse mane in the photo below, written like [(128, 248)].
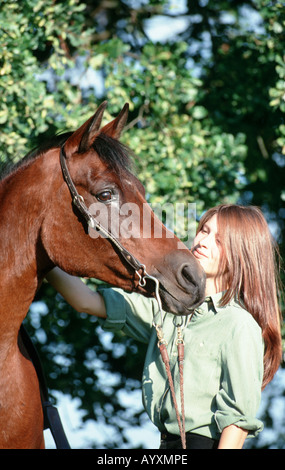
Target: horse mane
[(112, 152), (10, 167)]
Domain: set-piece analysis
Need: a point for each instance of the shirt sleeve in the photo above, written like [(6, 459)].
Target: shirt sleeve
[(131, 313), (239, 397)]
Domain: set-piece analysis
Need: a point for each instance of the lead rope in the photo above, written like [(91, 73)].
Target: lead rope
[(164, 355), (162, 343), (180, 348)]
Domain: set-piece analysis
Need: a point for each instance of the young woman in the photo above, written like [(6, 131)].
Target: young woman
[(232, 342)]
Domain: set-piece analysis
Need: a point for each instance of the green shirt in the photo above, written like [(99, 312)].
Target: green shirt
[(223, 366)]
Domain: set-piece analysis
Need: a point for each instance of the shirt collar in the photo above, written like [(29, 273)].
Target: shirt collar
[(215, 300), (211, 303)]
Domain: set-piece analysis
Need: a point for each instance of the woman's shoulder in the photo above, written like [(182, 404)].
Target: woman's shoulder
[(241, 317), (235, 313)]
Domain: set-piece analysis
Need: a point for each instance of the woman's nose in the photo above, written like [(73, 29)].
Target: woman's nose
[(206, 241)]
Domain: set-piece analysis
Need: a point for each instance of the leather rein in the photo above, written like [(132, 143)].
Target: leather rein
[(79, 203)]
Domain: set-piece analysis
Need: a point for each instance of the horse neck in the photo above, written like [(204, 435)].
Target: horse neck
[(23, 200)]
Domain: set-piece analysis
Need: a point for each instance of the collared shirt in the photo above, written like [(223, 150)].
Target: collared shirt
[(223, 366)]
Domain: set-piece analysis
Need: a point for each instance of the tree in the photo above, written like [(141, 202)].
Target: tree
[(206, 124)]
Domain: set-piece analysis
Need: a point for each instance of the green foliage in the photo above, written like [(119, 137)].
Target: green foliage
[(34, 42), (182, 155), (206, 125)]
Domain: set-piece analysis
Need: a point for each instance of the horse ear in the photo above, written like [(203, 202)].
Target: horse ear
[(82, 139), (115, 127)]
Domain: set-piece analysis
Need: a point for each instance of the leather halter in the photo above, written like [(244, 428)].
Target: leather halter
[(78, 201)]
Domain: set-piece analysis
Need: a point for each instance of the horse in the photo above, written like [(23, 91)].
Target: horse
[(43, 225)]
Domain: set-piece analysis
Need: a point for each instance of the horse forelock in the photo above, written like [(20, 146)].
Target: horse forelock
[(112, 152)]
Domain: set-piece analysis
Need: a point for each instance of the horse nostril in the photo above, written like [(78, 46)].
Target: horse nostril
[(188, 286), (187, 276)]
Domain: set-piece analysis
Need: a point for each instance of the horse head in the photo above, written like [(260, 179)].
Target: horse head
[(99, 169)]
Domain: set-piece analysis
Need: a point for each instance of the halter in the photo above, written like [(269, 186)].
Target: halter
[(78, 201)]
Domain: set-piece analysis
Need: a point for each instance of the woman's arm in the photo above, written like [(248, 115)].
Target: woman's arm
[(76, 293), (232, 437)]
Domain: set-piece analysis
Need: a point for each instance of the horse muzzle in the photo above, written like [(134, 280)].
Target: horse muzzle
[(182, 283)]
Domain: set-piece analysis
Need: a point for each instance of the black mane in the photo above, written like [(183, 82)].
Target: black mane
[(112, 152), (56, 141)]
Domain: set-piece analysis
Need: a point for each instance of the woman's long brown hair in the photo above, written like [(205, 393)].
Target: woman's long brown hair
[(250, 269)]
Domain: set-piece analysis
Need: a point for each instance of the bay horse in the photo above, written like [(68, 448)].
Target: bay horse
[(42, 227)]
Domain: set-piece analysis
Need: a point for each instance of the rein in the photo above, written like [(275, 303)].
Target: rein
[(78, 201)]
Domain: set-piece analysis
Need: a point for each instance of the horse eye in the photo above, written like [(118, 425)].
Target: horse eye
[(104, 196)]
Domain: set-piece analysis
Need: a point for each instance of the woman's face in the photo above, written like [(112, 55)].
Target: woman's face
[(207, 249)]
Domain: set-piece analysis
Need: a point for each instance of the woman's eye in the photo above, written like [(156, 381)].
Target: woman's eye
[(104, 196)]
